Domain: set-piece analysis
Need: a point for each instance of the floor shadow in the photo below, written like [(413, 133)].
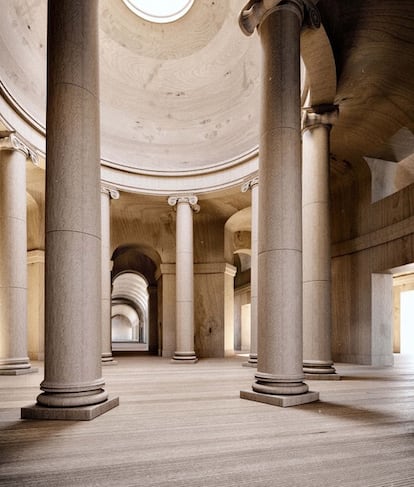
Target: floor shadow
[(351, 413), (27, 434)]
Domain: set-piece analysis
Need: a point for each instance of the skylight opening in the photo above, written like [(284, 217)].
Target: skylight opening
[(159, 11)]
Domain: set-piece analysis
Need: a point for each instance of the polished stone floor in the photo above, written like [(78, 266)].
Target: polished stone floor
[(185, 425)]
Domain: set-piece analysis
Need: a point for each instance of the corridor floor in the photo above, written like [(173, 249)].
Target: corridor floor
[(185, 425)]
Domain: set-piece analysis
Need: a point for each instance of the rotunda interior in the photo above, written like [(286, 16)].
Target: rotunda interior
[(181, 106)]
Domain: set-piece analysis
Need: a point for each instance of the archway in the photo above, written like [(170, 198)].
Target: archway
[(130, 312), (135, 299)]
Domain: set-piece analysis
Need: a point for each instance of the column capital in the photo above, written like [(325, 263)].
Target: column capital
[(111, 192), (250, 184), (190, 199), (12, 142), (255, 11), (320, 115)]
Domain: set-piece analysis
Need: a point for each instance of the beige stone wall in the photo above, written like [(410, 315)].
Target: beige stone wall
[(35, 304), (371, 241), (214, 309), (241, 298)]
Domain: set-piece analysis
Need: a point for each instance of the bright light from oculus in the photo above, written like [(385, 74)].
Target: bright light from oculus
[(160, 11)]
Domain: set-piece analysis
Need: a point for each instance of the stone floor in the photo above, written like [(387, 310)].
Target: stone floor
[(185, 425)]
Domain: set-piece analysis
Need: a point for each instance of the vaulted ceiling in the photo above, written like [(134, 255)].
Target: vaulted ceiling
[(183, 98)]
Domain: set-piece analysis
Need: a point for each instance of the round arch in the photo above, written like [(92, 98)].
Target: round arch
[(130, 312)]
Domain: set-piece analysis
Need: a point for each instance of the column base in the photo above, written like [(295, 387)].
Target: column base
[(319, 370), (279, 400), (108, 360), (16, 366), (83, 413), (252, 362), (184, 358), (27, 370)]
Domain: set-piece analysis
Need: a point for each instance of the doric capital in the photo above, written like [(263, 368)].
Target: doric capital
[(190, 199), (250, 184), (111, 192), (11, 143), (314, 117), (255, 11)]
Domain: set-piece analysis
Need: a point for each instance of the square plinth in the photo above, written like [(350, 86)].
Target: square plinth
[(84, 413), (178, 361), (279, 400), (322, 377), (250, 364), (29, 370), (109, 362)]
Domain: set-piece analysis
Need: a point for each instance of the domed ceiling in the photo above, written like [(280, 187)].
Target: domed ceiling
[(176, 97)]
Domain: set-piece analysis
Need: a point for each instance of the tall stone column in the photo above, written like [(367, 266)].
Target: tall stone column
[(185, 205), (279, 377), (107, 194), (73, 387), (14, 358), (317, 361), (253, 185)]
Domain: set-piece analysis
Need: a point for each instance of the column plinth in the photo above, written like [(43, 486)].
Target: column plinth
[(14, 358), (185, 206), (279, 367), (317, 360), (73, 385)]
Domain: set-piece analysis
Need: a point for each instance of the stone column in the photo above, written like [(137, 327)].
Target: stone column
[(73, 387), (185, 205), (279, 377), (253, 185), (14, 358), (317, 361), (106, 195)]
